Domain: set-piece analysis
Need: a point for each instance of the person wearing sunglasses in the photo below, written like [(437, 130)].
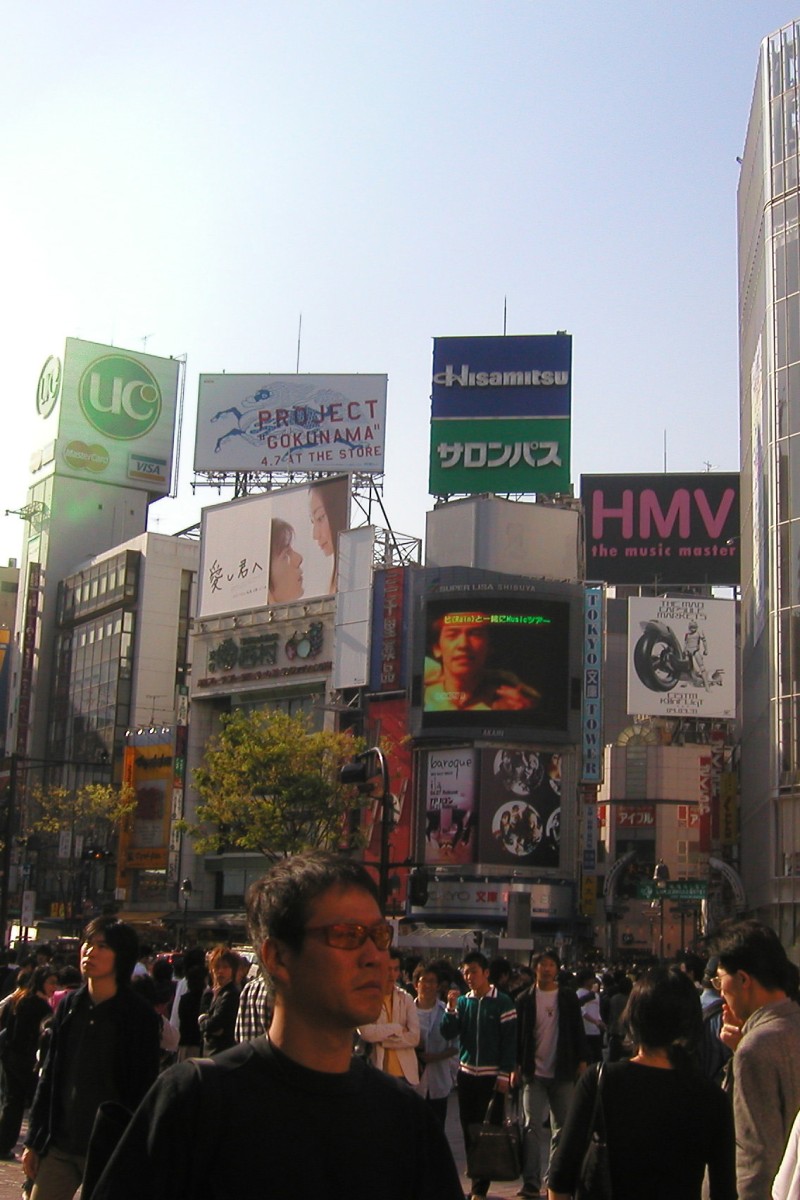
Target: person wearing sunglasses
[(294, 1113)]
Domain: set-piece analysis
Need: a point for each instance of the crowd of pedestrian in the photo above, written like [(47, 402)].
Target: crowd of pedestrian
[(139, 1068), (83, 1031)]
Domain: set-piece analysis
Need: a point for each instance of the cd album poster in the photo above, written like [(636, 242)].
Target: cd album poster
[(520, 807)]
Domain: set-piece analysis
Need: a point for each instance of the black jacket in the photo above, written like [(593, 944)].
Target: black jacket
[(217, 1020), (135, 1065), (571, 1046)]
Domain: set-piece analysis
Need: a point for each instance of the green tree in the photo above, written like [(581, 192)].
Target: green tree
[(93, 811), (92, 815), (269, 783)]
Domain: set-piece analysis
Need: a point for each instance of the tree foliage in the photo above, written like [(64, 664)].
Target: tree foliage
[(92, 811), (269, 783)]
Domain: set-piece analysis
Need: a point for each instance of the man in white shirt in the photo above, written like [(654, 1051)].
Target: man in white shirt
[(552, 1054), (395, 1034)]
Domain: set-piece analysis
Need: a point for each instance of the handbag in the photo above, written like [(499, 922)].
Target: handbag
[(594, 1181), (495, 1151)]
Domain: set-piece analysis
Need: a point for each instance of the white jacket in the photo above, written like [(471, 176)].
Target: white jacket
[(787, 1182), (398, 1031)]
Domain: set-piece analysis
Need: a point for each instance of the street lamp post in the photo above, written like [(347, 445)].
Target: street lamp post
[(186, 892), (660, 878), (361, 773)]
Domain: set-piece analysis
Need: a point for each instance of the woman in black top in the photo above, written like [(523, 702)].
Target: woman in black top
[(27, 1011), (664, 1121), (219, 1006)]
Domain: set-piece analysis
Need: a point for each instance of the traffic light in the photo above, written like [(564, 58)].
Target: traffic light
[(418, 881), (95, 854), (366, 773)]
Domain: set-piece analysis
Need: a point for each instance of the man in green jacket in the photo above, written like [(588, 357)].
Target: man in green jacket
[(485, 1022)]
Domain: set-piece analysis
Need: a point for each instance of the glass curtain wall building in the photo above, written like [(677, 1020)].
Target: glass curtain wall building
[(769, 365)]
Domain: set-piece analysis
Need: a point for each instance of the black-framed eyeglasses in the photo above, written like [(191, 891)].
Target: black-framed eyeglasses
[(350, 935)]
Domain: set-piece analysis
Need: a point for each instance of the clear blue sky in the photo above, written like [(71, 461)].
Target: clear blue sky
[(198, 175)]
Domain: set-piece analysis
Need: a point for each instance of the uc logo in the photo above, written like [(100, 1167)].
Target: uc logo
[(119, 397)]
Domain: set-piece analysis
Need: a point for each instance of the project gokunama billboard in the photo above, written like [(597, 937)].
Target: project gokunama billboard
[(291, 423), (681, 657), (500, 414), (113, 414), (272, 548), (676, 529)]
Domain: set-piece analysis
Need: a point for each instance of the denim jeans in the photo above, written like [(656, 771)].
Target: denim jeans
[(540, 1097)]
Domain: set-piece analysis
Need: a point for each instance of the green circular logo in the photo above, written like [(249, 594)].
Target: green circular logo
[(119, 397), (48, 387)]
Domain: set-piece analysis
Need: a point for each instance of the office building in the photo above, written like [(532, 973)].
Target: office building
[(769, 357)]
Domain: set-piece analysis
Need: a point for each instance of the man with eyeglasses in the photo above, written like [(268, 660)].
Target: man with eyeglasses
[(761, 1025), (294, 1114)]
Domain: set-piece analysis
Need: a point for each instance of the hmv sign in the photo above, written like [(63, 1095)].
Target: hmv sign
[(663, 529)]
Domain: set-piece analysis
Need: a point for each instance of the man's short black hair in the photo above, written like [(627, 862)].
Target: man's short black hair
[(475, 956), (120, 938), (693, 965), (756, 948), (278, 905), (498, 968), (548, 953), (423, 968)]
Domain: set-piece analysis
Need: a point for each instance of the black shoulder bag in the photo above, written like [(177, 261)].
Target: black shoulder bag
[(495, 1150), (594, 1181)]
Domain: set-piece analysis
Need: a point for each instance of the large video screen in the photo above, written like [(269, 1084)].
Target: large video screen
[(495, 666)]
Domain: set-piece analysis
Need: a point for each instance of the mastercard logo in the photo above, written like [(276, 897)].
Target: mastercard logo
[(81, 457)]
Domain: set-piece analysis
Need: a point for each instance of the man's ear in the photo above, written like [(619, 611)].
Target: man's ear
[(273, 956)]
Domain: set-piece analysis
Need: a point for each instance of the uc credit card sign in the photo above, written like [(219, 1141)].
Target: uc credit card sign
[(500, 414)]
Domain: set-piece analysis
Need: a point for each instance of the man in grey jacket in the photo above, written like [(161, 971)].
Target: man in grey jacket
[(761, 1024)]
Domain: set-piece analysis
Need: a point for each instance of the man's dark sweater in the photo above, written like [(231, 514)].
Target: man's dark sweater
[(254, 1122)]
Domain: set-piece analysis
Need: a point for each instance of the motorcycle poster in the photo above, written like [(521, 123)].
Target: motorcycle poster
[(681, 657)]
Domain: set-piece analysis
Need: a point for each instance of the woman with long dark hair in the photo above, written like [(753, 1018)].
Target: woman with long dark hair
[(28, 1009), (327, 510), (665, 1123)]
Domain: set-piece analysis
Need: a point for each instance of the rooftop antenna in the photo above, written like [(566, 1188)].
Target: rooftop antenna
[(145, 340), (299, 332), (665, 451), (505, 314), (708, 466)]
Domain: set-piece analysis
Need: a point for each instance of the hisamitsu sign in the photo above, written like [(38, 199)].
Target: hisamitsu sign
[(500, 414), (674, 529)]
